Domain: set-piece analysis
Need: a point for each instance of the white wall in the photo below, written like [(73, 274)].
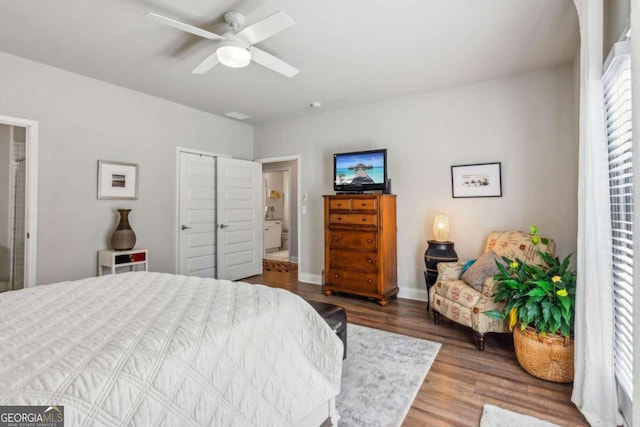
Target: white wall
[(84, 120), (526, 122)]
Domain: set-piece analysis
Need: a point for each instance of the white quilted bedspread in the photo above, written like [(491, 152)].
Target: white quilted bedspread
[(152, 349)]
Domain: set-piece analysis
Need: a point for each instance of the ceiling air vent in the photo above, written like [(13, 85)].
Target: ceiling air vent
[(237, 115)]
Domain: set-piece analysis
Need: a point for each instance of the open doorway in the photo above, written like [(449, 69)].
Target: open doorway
[(281, 214), (12, 206), (277, 214), (18, 197)]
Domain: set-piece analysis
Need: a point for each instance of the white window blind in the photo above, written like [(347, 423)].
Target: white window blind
[(617, 90)]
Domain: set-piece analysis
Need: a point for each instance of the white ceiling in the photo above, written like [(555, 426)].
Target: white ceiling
[(349, 51)]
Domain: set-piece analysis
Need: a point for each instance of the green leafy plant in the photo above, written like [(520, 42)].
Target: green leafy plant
[(542, 297)]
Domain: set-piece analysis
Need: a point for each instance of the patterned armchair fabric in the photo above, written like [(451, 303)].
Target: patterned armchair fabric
[(457, 301)]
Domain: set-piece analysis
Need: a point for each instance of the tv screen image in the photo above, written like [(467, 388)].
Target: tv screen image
[(360, 171)]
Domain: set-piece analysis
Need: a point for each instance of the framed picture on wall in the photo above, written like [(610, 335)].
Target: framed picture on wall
[(117, 180), (477, 180)]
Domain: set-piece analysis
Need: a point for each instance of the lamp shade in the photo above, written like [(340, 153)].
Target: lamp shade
[(441, 227), (233, 54)]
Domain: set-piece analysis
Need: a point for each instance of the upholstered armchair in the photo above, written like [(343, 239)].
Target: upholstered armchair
[(464, 297)]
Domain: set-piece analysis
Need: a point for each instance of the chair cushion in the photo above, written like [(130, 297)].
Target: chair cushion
[(516, 244), (457, 291), (449, 270), (452, 310), (484, 267)]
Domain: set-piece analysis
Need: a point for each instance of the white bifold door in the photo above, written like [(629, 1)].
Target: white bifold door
[(219, 217), (197, 241), (239, 233)]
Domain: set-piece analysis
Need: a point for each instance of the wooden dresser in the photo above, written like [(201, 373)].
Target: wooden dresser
[(360, 250)]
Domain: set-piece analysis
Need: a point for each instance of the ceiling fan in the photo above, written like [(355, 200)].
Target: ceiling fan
[(236, 49)]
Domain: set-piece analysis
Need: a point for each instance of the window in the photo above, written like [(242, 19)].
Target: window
[(618, 107)]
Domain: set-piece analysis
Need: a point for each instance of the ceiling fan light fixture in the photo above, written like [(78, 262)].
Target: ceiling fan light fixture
[(233, 55)]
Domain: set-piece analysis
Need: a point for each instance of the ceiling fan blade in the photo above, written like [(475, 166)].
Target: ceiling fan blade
[(209, 62), (266, 28), (267, 60), (184, 27)]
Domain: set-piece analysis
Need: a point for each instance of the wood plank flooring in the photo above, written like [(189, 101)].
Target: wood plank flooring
[(461, 379)]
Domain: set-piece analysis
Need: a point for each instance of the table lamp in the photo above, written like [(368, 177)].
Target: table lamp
[(441, 228), (439, 250)]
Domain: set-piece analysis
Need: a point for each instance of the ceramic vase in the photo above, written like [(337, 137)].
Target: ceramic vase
[(437, 252), (123, 238)]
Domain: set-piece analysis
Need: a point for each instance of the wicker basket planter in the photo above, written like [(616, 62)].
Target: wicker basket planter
[(549, 358)]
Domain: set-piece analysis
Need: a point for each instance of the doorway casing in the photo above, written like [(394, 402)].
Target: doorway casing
[(298, 159), (31, 195)]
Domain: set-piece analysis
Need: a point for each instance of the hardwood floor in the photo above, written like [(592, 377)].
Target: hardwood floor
[(461, 379)]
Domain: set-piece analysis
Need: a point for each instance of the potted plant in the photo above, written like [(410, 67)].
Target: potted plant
[(540, 307)]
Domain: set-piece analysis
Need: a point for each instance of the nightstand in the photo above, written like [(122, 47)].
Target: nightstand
[(116, 259)]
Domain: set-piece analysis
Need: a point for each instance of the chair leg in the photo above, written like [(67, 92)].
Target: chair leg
[(480, 337), (436, 317)]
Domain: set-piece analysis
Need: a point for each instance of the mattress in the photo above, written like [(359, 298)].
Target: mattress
[(153, 349)]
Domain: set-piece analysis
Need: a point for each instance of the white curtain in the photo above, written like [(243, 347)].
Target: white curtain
[(634, 17), (594, 391)]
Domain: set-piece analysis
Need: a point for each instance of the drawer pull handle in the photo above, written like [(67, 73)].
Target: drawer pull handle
[(369, 260), (370, 281), (339, 218), (335, 275), (368, 240), (364, 219), (335, 237)]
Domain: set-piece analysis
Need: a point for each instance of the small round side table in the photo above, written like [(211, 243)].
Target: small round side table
[(437, 252)]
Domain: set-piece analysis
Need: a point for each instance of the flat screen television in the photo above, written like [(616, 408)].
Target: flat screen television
[(360, 171)]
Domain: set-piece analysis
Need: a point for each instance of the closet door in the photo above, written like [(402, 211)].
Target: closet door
[(239, 218), (197, 234)]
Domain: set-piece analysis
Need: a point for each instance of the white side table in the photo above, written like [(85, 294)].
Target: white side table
[(116, 259)]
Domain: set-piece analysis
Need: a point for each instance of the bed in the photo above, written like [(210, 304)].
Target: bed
[(153, 349)]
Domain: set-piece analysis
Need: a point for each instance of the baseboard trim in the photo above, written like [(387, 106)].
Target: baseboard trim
[(408, 293), (414, 294), (314, 279)]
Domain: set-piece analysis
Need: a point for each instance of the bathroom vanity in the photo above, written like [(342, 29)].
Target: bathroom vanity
[(272, 234)]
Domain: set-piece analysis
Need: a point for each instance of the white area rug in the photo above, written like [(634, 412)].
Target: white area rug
[(381, 376), (493, 416)]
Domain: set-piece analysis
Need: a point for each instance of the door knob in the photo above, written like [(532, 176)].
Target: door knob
[(184, 227), (224, 226)]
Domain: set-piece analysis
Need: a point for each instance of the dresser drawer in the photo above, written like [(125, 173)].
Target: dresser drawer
[(353, 204), (363, 240), (350, 259), (339, 204), (363, 204), (354, 280), (353, 219)]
